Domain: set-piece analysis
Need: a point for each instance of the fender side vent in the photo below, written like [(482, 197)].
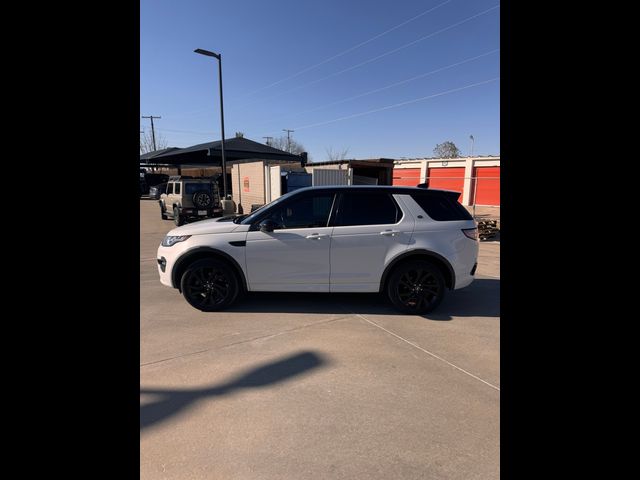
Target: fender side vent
[(239, 243)]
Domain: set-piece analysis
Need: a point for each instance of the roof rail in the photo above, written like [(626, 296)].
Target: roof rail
[(175, 178)]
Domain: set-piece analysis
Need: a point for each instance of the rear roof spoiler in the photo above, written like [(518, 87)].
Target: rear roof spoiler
[(448, 193)]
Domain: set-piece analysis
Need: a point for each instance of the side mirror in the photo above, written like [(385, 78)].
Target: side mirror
[(268, 226)]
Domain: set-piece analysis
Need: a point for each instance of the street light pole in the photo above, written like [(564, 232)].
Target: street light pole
[(224, 163)]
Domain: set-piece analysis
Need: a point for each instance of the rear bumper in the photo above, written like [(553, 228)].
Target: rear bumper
[(196, 212), (466, 263), (463, 281)]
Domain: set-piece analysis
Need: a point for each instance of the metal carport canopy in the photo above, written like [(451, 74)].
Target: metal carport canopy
[(235, 149)]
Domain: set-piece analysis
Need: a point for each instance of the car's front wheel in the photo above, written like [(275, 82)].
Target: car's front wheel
[(416, 287), (209, 285)]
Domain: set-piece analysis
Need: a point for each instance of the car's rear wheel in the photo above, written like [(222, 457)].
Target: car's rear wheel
[(416, 287), (209, 285), (177, 218)]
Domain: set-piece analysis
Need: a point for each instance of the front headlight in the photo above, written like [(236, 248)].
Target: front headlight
[(169, 241)]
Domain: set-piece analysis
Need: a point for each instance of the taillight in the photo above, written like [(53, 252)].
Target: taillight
[(472, 233)]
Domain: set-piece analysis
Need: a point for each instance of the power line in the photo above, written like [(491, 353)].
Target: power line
[(183, 131), (377, 57), (397, 104), (370, 92), (351, 49)]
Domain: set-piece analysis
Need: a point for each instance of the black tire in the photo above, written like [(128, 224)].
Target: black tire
[(202, 199), (163, 213), (209, 285), (177, 218), (416, 287)]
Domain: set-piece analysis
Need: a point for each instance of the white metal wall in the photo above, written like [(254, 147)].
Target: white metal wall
[(326, 176)]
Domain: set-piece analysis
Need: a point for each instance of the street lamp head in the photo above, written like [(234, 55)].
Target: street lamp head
[(207, 53)]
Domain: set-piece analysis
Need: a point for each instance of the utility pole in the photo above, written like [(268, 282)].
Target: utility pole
[(288, 139), (153, 131), (268, 140), (141, 131)]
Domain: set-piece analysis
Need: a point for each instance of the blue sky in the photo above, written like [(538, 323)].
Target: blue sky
[(292, 64)]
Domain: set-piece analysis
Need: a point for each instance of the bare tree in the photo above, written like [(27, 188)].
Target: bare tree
[(281, 143), (146, 142), (446, 150), (337, 155)]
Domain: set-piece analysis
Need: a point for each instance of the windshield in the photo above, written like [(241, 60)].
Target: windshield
[(250, 218)]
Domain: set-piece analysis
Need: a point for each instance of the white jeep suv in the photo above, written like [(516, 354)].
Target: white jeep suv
[(411, 243)]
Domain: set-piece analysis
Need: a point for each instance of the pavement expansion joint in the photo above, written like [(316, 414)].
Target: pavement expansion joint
[(427, 351), (261, 337)]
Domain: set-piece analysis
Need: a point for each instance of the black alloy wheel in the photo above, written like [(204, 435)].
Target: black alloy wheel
[(209, 285), (416, 287)]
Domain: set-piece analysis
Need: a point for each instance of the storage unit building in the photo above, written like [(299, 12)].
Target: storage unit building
[(476, 178)]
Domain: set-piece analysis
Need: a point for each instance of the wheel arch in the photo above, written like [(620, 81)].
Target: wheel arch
[(201, 253), (437, 259)]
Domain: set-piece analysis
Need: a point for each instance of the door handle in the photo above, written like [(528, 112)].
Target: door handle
[(316, 236), (389, 233)]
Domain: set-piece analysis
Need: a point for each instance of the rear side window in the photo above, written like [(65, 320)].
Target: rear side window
[(367, 209), (177, 191), (442, 207)]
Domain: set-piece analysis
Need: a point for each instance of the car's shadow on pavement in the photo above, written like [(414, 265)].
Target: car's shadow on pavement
[(480, 299), (172, 402)]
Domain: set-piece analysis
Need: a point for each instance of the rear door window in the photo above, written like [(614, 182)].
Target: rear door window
[(367, 208)]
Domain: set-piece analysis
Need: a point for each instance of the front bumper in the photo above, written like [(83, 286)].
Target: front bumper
[(165, 259)]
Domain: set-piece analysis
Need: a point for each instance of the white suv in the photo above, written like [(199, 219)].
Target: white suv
[(411, 243)]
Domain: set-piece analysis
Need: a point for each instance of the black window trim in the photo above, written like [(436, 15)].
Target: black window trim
[(340, 195)]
